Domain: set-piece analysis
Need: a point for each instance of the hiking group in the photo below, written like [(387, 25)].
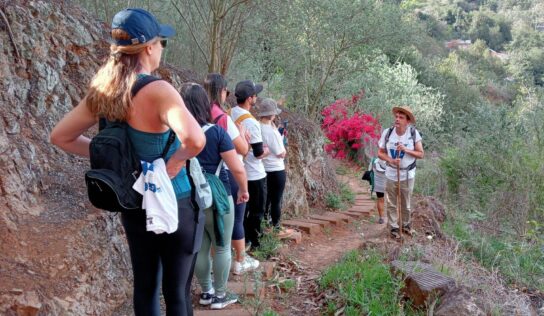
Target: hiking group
[(205, 176)]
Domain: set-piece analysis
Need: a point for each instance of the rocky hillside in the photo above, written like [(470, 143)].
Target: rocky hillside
[(58, 255)]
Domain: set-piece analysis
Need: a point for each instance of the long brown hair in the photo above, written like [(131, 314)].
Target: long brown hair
[(214, 85), (109, 91)]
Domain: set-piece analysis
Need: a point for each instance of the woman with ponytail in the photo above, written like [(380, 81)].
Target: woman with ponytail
[(151, 113)]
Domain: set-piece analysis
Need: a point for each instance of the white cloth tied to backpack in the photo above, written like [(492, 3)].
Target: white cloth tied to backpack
[(159, 199), (203, 191)]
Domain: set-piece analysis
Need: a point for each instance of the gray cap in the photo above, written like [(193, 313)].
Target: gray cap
[(267, 107)]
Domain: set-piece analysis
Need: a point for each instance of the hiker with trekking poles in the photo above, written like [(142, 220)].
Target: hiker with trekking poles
[(400, 146)]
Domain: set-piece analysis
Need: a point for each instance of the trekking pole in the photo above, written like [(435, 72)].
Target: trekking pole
[(399, 211)]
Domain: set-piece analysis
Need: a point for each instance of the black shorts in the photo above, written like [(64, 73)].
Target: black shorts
[(380, 194)]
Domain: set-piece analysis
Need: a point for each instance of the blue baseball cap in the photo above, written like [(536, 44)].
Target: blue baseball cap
[(141, 25)]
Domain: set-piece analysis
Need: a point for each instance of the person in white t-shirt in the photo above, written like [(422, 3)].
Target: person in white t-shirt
[(246, 95), (216, 87), (273, 163), (400, 146)]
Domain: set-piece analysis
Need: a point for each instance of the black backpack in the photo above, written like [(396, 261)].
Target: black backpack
[(114, 164)]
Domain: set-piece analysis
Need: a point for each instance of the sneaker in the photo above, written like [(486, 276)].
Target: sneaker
[(408, 230), (381, 221), (395, 233), (206, 297), (222, 302), (247, 265)]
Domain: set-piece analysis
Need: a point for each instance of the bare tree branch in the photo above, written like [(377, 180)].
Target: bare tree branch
[(234, 4), (191, 31)]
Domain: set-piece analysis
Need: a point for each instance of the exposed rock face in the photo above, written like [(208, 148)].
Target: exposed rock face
[(458, 302), (58, 255), (310, 174)]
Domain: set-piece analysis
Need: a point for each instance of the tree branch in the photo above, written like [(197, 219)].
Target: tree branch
[(234, 4), (191, 31), (10, 33)]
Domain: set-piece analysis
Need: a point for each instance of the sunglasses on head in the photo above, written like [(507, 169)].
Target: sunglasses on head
[(164, 42)]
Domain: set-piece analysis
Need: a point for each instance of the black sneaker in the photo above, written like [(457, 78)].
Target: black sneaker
[(206, 298), (395, 233), (408, 230), (226, 300)]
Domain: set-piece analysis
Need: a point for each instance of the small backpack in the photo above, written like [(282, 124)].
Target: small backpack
[(209, 190), (114, 164), (202, 190)]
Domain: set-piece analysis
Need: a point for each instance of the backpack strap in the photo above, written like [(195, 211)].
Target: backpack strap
[(219, 168), (171, 138), (218, 118), (389, 131), (204, 129), (243, 117), (413, 134), (142, 81)]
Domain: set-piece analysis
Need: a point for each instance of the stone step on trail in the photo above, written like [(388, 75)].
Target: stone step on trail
[(363, 201), (367, 200), (361, 208), (306, 227), (341, 216), (319, 222), (363, 205), (296, 236), (333, 220), (233, 310), (365, 211), (356, 215)]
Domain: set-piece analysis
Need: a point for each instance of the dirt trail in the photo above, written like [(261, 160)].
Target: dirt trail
[(304, 262)]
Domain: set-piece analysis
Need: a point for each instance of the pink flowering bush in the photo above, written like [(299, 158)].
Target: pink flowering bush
[(348, 130)]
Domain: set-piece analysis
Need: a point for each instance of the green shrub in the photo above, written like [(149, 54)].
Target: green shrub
[(346, 195), (333, 201), (269, 244), (365, 285)]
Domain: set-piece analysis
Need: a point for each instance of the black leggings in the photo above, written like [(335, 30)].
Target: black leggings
[(239, 209), (254, 211), (275, 185), (167, 257)]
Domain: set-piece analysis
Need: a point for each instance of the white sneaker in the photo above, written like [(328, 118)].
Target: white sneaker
[(247, 265)]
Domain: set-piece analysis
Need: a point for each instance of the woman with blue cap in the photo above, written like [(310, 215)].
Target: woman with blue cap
[(123, 90)]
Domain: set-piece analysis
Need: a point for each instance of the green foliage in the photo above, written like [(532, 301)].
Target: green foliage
[(269, 244), (311, 71), (333, 201), (492, 29), (346, 195), (397, 84), (519, 260), (364, 285), (343, 199)]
